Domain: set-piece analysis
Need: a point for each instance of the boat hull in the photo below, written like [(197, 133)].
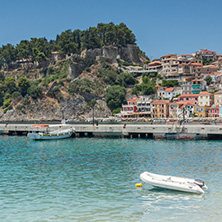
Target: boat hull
[(50, 136), (172, 183)]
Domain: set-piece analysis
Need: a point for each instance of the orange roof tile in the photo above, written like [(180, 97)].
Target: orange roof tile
[(205, 50), (204, 93), (169, 55), (160, 101), (134, 100), (188, 95), (219, 92), (196, 64), (208, 74), (169, 89)]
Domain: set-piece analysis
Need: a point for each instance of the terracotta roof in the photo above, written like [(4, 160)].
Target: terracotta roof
[(219, 92), (188, 95), (156, 59), (204, 93), (196, 64), (169, 55), (157, 86), (205, 50), (208, 74), (155, 64), (134, 100), (169, 89), (160, 101)]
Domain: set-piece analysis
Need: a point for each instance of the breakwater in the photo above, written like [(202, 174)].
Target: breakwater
[(157, 131)]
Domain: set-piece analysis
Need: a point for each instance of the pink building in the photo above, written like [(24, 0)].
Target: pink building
[(192, 98), (213, 111)]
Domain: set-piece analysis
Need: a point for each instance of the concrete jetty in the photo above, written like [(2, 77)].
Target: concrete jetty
[(156, 131)]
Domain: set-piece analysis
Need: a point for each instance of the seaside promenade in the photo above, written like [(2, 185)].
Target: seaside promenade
[(129, 130)]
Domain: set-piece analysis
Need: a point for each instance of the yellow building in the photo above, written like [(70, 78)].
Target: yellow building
[(160, 109), (201, 111)]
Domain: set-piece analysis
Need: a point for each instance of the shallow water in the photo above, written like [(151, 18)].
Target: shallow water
[(92, 179)]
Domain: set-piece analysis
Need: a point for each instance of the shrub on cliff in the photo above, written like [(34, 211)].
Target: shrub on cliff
[(23, 85), (35, 91), (82, 86), (115, 97)]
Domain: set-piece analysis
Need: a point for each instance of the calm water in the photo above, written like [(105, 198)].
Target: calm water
[(91, 179)]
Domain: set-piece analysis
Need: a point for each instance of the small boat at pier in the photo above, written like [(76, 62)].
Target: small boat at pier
[(174, 183), (51, 132)]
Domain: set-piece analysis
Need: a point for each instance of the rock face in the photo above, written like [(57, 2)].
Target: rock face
[(76, 107), (111, 54), (129, 53), (48, 110)]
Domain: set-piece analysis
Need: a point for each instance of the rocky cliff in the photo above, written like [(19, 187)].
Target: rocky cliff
[(58, 104)]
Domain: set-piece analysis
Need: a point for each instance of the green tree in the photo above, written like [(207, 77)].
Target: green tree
[(35, 91), (115, 97), (208, 79), (169, 83), (66, 43), (23, 85), (24, 49), (124, 79), (8, 54), (10, 85)]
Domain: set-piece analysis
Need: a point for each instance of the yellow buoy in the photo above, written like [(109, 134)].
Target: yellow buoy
[(139, 185)]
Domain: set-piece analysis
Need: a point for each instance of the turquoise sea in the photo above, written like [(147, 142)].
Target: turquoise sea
[(93, 179)]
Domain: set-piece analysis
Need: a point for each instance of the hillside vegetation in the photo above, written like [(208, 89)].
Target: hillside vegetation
[(90, 68)]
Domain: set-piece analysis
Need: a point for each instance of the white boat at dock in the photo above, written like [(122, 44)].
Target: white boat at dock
[(51, 132), (174, 183)]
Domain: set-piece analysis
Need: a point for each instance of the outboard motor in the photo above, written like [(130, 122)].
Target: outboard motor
[(199, 182)]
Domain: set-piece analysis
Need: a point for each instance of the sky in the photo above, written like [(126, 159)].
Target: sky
[(161, 26)]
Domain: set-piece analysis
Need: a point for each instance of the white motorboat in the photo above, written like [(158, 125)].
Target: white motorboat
[(174, 183), (51, 132)]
